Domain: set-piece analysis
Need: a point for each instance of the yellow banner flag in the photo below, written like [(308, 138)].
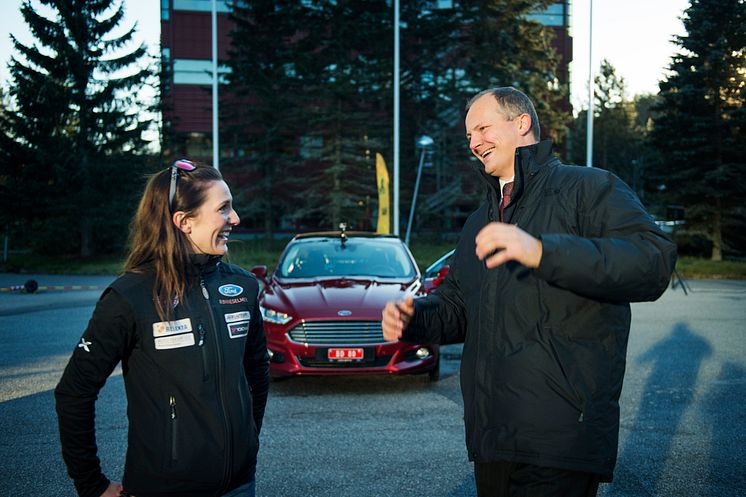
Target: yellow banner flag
[(384, 211)]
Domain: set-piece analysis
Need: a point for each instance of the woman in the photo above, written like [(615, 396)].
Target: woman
[(188, 331)]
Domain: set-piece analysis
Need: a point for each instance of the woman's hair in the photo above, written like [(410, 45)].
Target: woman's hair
[(155, 240)]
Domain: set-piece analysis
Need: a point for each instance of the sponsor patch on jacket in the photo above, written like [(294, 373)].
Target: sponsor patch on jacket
[(237, 316), (239, 300), (174, 341), (238, 330), (173, 334), (165, 328), (230, 290)]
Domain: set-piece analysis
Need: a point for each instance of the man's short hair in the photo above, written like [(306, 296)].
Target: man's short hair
[(512, 103)]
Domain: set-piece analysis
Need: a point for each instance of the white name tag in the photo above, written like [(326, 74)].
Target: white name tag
[(174, 342), (238, 316), (166, 328)]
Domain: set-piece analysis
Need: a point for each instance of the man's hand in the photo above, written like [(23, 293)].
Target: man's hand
[(114, 490), (396, 316), (499, 243)]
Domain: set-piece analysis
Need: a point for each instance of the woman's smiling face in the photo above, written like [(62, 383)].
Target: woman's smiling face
[(209, 228)]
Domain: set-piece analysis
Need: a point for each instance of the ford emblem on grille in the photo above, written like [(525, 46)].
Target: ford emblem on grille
[(230, 290), (344, 312)]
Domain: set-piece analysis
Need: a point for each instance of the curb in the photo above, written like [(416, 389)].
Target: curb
[(33, 288)]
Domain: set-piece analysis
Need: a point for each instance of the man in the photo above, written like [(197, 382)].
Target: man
[(539, 290)]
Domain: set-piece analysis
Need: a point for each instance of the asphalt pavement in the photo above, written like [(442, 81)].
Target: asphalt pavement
[(683, 414), (55, 292)]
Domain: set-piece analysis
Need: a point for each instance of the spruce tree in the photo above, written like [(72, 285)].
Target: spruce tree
[(72, 138), (449, 55), (313, 97), (618, 139), (309, 87), (701, 129)]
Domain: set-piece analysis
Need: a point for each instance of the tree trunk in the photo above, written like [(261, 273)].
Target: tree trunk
[(717, 234), (86, 224)]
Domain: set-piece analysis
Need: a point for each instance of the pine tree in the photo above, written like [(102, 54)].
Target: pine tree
[(451, 54), (349, 77), (267, 44), (310, 78), (72, 138), (618, 139), (312, 83), (702, 127)]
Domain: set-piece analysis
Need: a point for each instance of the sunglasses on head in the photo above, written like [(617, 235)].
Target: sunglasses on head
[(184, 165)]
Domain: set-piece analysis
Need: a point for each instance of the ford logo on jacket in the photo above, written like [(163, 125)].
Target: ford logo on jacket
[(230, 290)]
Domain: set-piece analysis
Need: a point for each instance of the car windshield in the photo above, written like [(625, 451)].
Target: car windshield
[(357, 257)]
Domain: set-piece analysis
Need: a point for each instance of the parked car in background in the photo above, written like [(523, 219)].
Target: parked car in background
[(322, 306), (437, 271)]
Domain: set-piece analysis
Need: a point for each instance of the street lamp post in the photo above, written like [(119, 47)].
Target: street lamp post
[(424, 143)]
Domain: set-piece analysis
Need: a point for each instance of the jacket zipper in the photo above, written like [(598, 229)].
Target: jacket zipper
[(227, 460), (174, 429), (201, 345)]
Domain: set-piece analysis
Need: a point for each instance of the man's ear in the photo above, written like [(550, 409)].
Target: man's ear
[(524, 124), (182, 222)]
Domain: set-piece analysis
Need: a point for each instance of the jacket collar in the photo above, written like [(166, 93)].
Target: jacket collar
[(203, 263), (528, 162)]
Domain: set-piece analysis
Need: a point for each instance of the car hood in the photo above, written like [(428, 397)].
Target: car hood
[(351, 298)]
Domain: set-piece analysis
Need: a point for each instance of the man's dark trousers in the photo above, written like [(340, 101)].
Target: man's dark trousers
[(509, 479)]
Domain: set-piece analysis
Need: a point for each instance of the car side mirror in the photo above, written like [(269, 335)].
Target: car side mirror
[(442, 272), (260, 272)]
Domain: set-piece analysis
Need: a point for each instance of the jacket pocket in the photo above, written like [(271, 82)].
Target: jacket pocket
[(585, 366)]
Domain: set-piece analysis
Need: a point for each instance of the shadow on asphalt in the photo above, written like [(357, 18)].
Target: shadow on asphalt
[(668, 392)]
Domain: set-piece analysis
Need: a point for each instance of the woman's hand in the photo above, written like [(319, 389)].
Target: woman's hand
[(114, 490)]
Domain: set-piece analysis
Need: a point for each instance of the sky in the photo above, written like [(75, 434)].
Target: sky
[(633, 35)]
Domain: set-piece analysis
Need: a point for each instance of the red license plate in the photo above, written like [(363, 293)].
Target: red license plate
[(345, 354)]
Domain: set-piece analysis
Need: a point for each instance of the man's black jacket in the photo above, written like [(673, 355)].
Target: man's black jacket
[(196, 385), (544, 349)]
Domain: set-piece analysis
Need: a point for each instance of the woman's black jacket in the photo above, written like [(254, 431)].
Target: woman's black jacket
[(196, 385), (544, 349)]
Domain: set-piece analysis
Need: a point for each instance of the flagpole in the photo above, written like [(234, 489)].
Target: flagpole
[(396, 118), (215, 137)]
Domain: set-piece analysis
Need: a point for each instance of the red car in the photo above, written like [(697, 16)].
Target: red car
[(322, 306)]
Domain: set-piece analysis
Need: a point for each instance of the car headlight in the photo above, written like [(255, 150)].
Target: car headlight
[(274, 316)]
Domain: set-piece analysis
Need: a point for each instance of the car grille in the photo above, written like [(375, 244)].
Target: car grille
[(337, 332)]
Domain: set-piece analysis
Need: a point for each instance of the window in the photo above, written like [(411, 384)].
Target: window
[(196, 72), (554, 15), (164, 10), (202, 5), (329, 257)]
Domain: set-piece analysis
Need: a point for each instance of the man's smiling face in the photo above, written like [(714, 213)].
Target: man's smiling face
[(493, 136)]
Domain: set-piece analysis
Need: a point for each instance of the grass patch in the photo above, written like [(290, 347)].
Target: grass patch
[(250, 253), (63, 264), (697, 268), (426, 252)]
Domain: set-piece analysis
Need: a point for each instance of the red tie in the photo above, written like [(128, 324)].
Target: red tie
[(507, 190)]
